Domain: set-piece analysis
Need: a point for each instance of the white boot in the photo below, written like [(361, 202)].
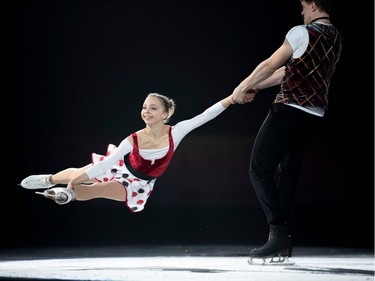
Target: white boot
[(37, 182), (61, 195)]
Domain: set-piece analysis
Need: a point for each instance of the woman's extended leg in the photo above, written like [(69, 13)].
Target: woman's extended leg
[(47, 181), (64, 176)]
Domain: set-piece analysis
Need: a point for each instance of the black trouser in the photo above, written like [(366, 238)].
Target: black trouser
[(277, 157)]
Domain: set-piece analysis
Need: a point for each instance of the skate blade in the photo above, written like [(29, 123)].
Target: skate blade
[(46, 194), (41, 193), (273, 261)]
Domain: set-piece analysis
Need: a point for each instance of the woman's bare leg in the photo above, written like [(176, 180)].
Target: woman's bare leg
[(109, 190), (64, 176)]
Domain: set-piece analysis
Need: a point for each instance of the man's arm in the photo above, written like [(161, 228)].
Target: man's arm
[(267, 74)]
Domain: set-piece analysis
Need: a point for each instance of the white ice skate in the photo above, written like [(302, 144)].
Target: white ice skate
[(61, 195), (37, 182)]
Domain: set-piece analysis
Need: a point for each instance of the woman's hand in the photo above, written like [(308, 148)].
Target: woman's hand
[(241, 97)]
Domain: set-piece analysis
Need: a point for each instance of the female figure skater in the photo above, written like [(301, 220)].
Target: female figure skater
[(128, 172)]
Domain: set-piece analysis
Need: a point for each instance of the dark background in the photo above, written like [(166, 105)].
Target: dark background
[(83, 70)]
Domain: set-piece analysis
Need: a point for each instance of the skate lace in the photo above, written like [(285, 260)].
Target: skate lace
[(42, 181)]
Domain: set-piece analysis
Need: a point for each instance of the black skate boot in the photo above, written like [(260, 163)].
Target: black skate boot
[(279, 245)]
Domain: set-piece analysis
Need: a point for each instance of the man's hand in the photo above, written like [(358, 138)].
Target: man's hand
[(241, 97)]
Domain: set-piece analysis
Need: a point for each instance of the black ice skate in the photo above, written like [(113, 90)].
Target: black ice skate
[(277, 250)]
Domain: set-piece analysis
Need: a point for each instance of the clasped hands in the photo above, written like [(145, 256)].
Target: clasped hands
[(242, 97)]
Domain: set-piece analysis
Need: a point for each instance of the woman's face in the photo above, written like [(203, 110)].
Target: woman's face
[(153, 111)]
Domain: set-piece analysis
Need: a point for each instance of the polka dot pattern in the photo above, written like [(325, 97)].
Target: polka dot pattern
[(137, 190)]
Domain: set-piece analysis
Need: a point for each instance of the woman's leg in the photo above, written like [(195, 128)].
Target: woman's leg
[(109, 190), (64, 176), (49, 180)]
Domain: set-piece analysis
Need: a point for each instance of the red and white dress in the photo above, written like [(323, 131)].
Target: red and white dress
[(137, 169)]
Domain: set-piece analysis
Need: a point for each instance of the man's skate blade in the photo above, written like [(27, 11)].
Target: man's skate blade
[(275, 261)]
